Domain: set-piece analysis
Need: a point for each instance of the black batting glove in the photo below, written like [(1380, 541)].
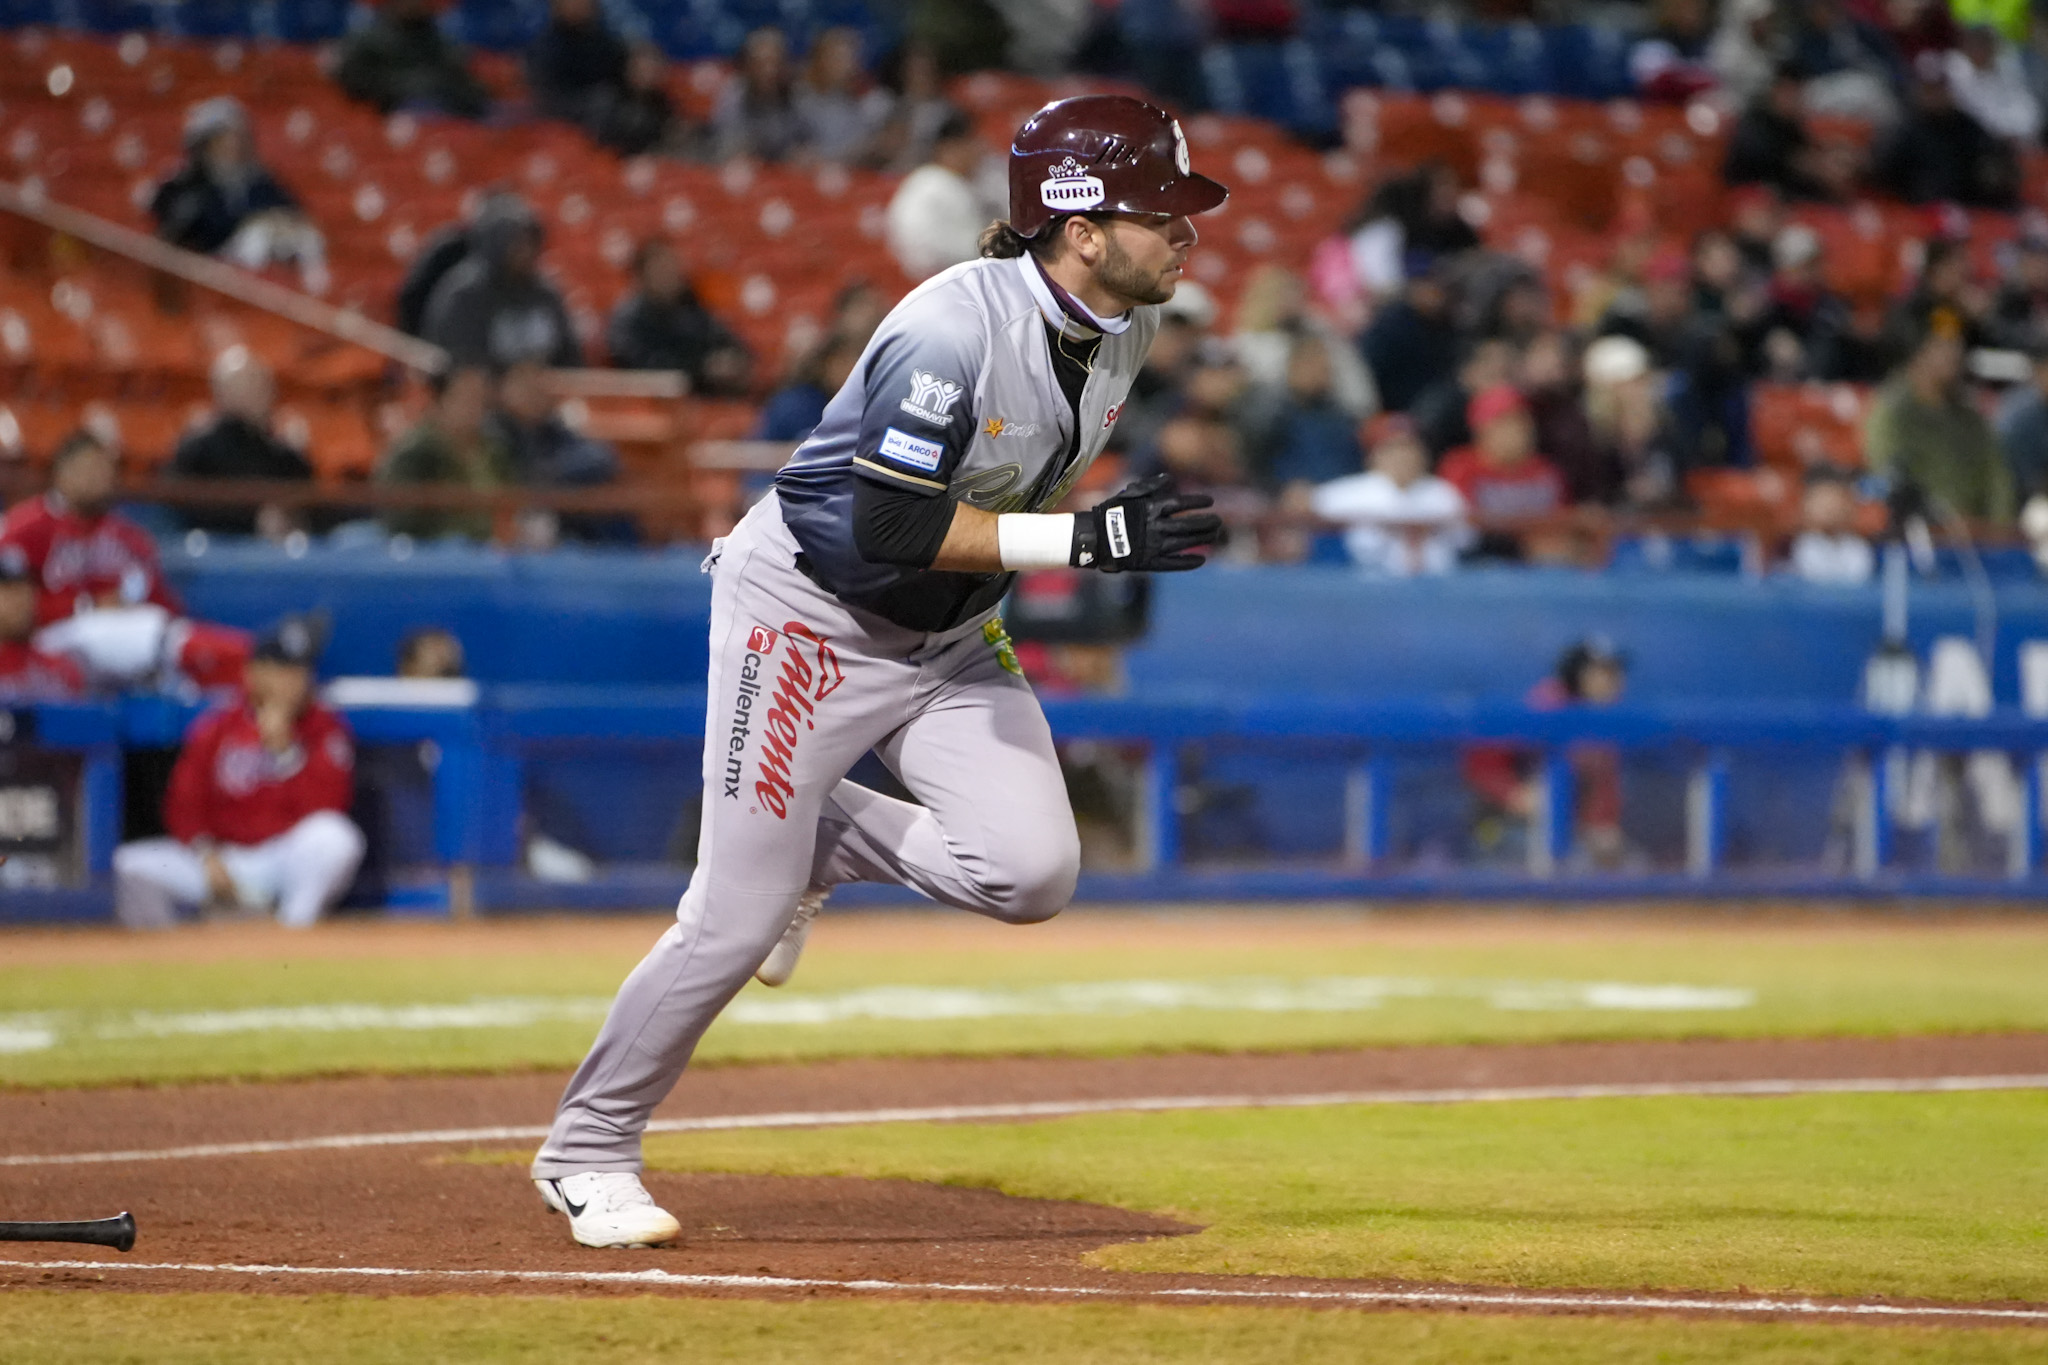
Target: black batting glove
[(1148, 528)]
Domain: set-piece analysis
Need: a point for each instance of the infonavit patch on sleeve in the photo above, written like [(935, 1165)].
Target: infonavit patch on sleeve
[(906, 449)]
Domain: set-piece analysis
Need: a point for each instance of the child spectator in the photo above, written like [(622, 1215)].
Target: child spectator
[(1398, 518), (1827, 549), (662, 325), (101, 596), (1503, 479), (402, 60), (256, 803)]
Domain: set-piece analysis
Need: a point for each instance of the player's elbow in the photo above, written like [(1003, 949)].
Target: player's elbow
[(878, 545)]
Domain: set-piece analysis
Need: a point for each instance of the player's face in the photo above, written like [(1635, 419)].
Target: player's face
[(1143, 255), (86, 479), (285, 686)]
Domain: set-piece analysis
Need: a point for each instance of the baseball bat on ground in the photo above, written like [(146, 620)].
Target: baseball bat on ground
[(117, 1232)]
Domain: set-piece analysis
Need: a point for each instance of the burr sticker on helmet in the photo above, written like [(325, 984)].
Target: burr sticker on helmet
[(1180, 150), (1070, 188)]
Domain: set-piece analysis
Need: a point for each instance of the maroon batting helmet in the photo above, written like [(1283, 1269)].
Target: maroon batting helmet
[(1103, 154)]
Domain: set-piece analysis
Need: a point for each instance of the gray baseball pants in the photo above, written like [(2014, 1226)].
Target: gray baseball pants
[(801, 686)]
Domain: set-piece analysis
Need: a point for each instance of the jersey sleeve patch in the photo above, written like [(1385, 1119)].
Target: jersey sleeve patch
[(911, 451)]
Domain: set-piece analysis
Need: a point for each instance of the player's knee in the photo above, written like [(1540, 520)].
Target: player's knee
[(1038, 881), (131, 862), (330, 835)]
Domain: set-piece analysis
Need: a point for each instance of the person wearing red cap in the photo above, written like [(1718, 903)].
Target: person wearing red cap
[(1503, 479), (854, 609)]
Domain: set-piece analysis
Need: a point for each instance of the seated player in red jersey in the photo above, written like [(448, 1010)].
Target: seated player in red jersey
[(26, 673), (102, 600), (257, 806)]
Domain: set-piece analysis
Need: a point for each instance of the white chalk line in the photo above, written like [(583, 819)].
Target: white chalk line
[(1039, 1109), (1378, 1298)]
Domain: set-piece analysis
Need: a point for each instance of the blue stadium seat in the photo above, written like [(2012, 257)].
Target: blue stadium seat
[(500, 25), (687, 34), (1277, 81), (23, 13), (1513, 59), (214, 18), (1590, 62), (312, 21), (117, 16)]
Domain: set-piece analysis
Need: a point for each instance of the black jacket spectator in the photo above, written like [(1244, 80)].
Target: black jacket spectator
[(447, 248), (1939, 154), (576, 68), (1411, 343), (494, 309), (641, 118), (236, 443), (663, 326), (401, 59), (220, 186), (1770, 145)]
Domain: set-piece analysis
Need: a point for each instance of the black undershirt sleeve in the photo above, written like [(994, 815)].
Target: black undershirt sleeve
[(893, 525)]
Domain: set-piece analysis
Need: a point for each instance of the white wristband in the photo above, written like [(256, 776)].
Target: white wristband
[(1029, 540)]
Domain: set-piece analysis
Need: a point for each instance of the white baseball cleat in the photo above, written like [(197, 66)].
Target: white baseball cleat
[(781, 963), (609, 1209)]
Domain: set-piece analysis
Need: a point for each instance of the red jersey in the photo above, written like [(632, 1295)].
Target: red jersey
[(27, 674), (1528, 489), (1497, 771), (227, 786), (79, 559)]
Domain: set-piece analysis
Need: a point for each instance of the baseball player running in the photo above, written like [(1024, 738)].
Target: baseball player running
[(854, 609)]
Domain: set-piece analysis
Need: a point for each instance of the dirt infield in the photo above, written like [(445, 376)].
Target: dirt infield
[(412, 1208)]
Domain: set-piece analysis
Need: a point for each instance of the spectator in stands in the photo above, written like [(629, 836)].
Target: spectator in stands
[(1913, 27), (237, 443), (794, 409), (642, 119), (1501, 476), (937, 215), (1302, 433), (452, 445), (1637, 456), (402, 59), (1805, 324), (1272, 316), (543, 450), (1924, 432), (1506, 780), (2023, 429), (494, 308), (1988, 83), (431, 652), (1440, 413), (1398, 518), (256, 808), (445, 248), (1412, 341), (27, 674), (1405, 225), (1156, 392), (918, 108), (224, 201), (1938, 153), (755, 114), (1827, 549), (1671, 62), (1661, 315), (101, 598), (840, 113), (1552, 385), (663, 325), (1770, 144), (1946, 297), (576, 65), (1849, 66), (1747, 47), (2019, 312)]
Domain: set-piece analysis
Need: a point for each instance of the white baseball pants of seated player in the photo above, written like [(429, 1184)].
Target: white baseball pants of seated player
[(802, 686), (300, 873)]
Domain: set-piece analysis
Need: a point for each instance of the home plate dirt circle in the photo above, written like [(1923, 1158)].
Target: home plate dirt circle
[(416, 1218)]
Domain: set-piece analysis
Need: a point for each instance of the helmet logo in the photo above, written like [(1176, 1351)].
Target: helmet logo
[(1070, 188), (1180, 150)]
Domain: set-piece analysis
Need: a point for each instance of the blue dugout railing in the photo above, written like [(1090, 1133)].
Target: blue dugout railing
[(483, 751)]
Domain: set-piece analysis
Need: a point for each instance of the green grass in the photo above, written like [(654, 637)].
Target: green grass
[(1887, 979), (1943, 1196), (173, 1329)]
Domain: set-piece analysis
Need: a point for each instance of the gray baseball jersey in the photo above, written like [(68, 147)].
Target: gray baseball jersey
[(818, 656), (956, 396)]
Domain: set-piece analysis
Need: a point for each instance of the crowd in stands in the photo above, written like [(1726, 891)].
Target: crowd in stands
[(1413, 396)]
